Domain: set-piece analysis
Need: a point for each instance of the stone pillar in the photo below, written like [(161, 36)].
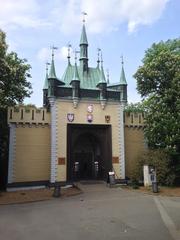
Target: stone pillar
[(12, 151), (53, 108), (121, 141)]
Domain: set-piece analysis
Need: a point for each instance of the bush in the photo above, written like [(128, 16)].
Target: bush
[(160, 160)]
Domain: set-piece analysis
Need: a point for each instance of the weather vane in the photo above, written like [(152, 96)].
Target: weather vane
[(53, 48), (84, 14), (122, 60), (76, 52), (69, 49), (47, 63)]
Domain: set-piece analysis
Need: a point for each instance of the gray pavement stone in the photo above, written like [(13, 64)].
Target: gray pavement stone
[(98, 213)]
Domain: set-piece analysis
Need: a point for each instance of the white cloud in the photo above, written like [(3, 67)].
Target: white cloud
[(108, 15), (44, 54), (103, 15), (21, 13)]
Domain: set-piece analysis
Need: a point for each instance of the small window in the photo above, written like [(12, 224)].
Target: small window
[(32, 114), (10, 114), (43, 115), (132, 118), (140, 119), (22, 113)]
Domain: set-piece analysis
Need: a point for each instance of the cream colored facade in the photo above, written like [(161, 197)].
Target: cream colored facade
[(80, 117), (37, 145)]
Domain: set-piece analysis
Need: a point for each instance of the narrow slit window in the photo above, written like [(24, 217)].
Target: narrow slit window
[(140, 119), (43, 115), (32, 114), (22, 113), (10, 114), (132, 119)]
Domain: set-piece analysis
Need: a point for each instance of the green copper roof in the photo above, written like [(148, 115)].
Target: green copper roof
[(76, 74), (123, 78), (88, 80), (52, 72), (103, 79), (83, 39), (46, 82)]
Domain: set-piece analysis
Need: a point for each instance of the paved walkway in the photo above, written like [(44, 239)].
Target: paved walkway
[(98, 213)]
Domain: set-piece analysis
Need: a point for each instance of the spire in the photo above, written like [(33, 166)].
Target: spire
[(52, 72), (83, 39), (76, 74), (46, 78), (122, 77), (83, 47), (103, 78)]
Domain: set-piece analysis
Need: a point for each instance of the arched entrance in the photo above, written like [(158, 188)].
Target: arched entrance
[(89, 152)]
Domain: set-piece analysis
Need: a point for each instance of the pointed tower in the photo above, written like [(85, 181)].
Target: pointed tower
[(123, 84), (83, 50), (45, 88), (75, 83), (52, 77), (102, 85)]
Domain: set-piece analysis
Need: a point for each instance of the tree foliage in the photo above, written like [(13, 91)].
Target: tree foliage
[(14, 87), (159, 158), (14, 72), (158, 82)]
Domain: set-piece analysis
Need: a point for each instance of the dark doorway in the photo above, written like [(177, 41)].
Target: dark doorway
[(89, 151)]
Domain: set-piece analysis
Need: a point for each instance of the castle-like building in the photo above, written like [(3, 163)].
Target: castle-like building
[(81, 132)]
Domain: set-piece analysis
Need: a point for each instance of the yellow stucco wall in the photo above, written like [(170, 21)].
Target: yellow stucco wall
[(134, 146), (32, 153), (80, 113)]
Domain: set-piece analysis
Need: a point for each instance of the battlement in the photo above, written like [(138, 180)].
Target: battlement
[(28, 115), (132, 119)]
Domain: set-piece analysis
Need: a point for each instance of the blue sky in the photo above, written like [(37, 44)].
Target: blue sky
[(118, 27)]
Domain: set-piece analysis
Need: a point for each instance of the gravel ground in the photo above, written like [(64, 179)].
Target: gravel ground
[(34, 195)]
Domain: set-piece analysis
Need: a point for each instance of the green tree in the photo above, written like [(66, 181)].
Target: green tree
[(158, 82), (14, 87), (14, 73)]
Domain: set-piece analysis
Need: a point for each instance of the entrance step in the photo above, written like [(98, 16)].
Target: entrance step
[(89, 182)]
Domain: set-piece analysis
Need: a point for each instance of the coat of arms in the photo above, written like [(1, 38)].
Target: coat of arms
[(70, 117), (107, 118), (89, 118)]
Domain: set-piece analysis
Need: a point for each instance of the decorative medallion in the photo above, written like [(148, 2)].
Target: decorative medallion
[(107, 118), (90, 108), (70, 117), (89, 118)]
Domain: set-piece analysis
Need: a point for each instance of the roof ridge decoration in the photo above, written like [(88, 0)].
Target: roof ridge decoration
[(52, 72), (122, 77), (83, 39), (76, 74), (46, 78), (102, 75)]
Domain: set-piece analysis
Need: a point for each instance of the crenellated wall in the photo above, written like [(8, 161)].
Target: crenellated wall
[(134, 139), (30, 134), (132, 119), (29, 115)]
